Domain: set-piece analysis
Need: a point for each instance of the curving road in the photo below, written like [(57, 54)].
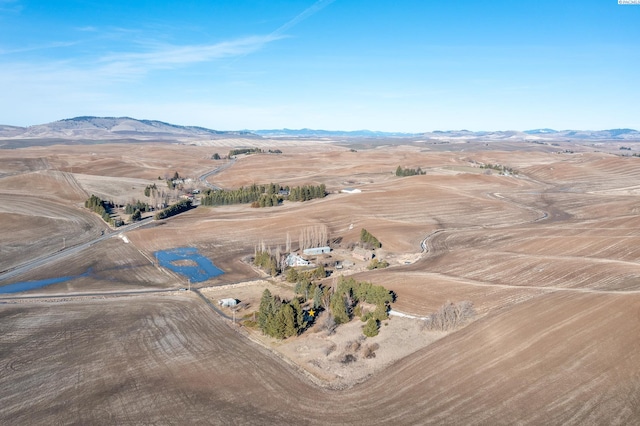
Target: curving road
[(203, 178)]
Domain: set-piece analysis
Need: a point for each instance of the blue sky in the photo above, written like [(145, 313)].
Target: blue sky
[(402, 65)]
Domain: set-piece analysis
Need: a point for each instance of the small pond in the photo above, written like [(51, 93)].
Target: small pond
[(189, 262)]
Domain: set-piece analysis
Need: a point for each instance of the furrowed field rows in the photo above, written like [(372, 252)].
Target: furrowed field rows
[(585, 243), (543, 271)]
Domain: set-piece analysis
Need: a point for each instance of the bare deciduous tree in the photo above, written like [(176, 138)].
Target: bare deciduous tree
[(450, 316), (314, 236)]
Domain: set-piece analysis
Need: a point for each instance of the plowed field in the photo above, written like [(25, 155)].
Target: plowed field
[(549, 257)]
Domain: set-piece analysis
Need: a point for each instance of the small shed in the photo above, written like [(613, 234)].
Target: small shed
[(351, 191), (316, 250), (227, 303)]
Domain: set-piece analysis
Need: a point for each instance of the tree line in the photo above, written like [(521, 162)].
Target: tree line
[(130, 208), (268, 195), (409, 172), (174, 209), (242, 195), (239, 151), (307, 192)]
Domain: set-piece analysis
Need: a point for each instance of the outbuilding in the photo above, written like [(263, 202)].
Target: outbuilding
[(351, 191), (316, 251), (227, 303)]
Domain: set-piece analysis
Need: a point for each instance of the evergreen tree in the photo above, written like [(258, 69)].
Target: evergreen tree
[(371, 328), (317, 297), (289, 321), (264, 312), (299, 313), (338, 307)]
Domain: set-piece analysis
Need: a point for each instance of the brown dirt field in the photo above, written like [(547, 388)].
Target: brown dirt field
[(549, 259), (168, 359)]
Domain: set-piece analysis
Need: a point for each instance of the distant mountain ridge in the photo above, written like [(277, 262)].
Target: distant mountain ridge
[(317, 133), (126, 128), (112, 128), (536, 134)]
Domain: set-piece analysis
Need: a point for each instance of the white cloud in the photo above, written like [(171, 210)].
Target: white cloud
[(169, 56)]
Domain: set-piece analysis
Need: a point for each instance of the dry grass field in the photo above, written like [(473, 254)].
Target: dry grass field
[(549, 257)]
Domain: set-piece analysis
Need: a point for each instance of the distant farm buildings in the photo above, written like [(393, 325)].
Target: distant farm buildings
[(316, 251)]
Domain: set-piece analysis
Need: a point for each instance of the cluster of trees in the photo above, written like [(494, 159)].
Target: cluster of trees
[(503, 170), (267, 200), (295, 276), (377, 264), (216, 156), (136, 209), (150, 189), (307, 192), (171, 182), (240, 151), (450, 316), (409, 172), (138, 205), (279, 318), (267, 261), (369, 240), (310, 290), (350, 292), (103, 209), (343, 301), (174, 209)]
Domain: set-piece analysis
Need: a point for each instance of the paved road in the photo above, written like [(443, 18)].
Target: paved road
[(15, 296), (203, 178), (36, 263)]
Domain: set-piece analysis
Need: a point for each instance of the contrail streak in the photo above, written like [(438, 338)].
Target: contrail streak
[(311, 10), (277, 34)]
